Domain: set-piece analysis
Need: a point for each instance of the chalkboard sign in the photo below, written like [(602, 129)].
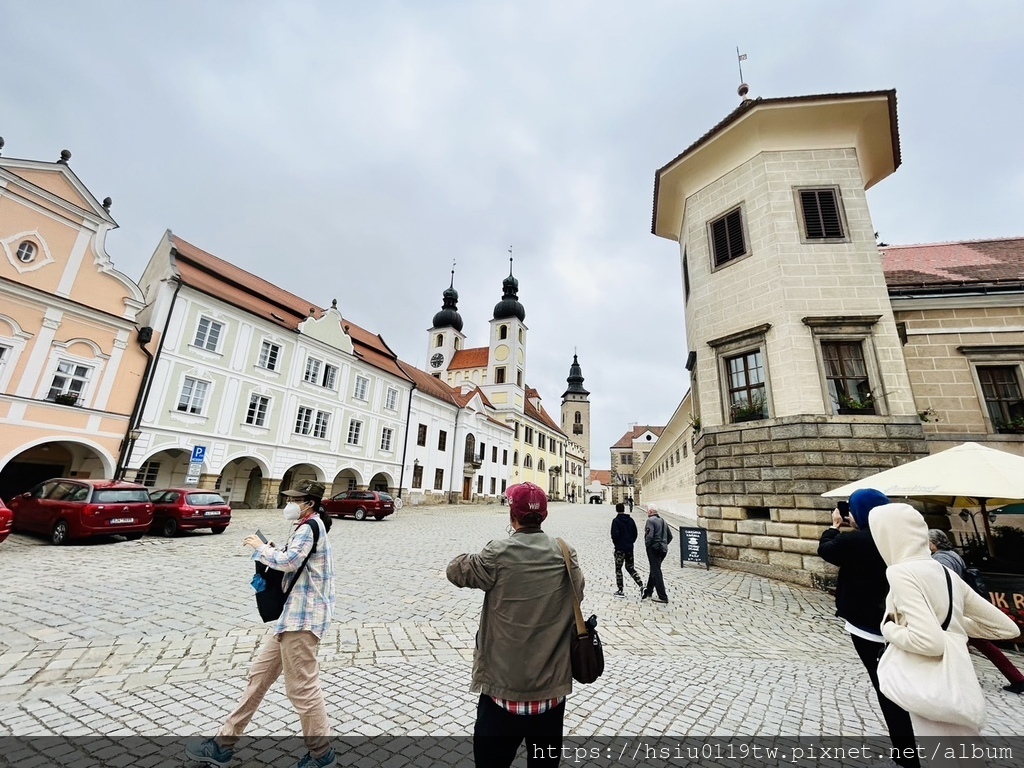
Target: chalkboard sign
[(693, 546)]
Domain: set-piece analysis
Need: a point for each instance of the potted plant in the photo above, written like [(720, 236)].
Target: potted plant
[(856, 406), (748, 411), (1011, 427), (66, 398)]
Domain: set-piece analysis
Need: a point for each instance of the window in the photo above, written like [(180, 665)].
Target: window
[(686, 278), (627, 458), (528, 461), (270, 353), (391, 399), (515, 458), (330, 379), (520, 335), (147, 474), (26, 252), (456, 343), (421, 435), (355, 429), (519, 378), (439, 340), (494, 485), (442, 440), (528, 435), (386, 435), (480, 484), (494, 454), (727, 241), (746, 387), (504, 458), (499, 375), (847, 377), (438, 479), (304, 420), (362, 387), (69, 380), (323, 420), (502, 331), (516, 430), (256, 415), (1001, 388), (417, 476), (577, 418), (504, 485), (312, 374), (540, 465), (208, 334), (821, 213), (193, 396)]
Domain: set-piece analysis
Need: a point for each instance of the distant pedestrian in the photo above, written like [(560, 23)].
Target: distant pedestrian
[(291, 647), (623, 537), (657, 537), (521, 664), (629, 501), (942, 550)]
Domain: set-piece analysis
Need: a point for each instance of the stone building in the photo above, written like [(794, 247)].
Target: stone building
[(628, 453)]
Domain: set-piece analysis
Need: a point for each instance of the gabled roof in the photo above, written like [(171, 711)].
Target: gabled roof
[(85, 202), (969, 265), (224, 281), (537, 412), (602, 476), (429, 385), (476, 357), (626, 441)]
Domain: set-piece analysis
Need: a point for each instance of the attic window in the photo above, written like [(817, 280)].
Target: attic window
[(27, 252), (822, 214), (727, 240)]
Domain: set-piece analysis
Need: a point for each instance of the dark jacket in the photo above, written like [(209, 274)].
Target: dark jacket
[(657, 534), (861, 586), (623, 532)]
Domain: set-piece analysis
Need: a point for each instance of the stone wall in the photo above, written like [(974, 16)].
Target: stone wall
[(759, 485)]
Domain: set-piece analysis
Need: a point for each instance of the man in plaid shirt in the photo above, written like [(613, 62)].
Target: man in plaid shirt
[(521, 665), (292, 646)]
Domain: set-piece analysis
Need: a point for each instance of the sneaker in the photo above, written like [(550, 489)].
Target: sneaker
[(661, 599), (326, 760), (619, 594), (1017, 687), (644, 595), (208, 752)]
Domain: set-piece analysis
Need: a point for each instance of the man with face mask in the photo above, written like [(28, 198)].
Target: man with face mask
[(292, 646)]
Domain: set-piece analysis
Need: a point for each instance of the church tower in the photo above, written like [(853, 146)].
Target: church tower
[(445, 337), (506, 364), (576, 409)]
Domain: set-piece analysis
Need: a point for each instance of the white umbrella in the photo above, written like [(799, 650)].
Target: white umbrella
[(967, 475)]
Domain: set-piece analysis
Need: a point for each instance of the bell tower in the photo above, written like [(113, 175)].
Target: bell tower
[(576, 409), (506, 364), (445, 336)]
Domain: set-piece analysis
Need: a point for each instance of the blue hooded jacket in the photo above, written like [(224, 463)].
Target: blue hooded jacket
[(862, 502)]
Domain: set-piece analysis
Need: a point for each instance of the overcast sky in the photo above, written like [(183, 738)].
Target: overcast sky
[(352, 150)]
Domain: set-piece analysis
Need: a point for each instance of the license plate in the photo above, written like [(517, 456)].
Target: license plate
[(122, 520), (211, 513)]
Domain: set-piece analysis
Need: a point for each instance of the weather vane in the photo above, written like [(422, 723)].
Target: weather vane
[(453, 273), (510, 259), (744, 89)]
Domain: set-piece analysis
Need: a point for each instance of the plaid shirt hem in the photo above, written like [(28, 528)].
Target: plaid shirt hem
[(528, 707)]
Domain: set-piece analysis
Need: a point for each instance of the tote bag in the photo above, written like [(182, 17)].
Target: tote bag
[(942, 688)]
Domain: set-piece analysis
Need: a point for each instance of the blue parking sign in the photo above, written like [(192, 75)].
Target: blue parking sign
[(198, 454)]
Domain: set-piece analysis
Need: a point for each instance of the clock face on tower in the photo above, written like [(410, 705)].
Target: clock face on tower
[(436, 360)]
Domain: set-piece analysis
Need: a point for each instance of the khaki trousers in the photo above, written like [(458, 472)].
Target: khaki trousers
[(293, 653)]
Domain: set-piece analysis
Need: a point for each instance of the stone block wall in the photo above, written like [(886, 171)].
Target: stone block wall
[(759, 485)]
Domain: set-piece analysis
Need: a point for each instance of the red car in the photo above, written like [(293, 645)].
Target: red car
[(71, 508), (6, 520), (360, 505), (186, 509)]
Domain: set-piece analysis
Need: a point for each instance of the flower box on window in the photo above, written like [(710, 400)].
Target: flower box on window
[(66, 398)]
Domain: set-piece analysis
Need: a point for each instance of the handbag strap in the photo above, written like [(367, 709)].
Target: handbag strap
[(316, 540), (949, 588), (581, 626)]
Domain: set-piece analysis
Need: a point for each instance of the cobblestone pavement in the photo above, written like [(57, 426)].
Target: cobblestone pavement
[(154, 637)]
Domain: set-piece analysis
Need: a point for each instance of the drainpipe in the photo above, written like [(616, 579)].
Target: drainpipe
[(145, 336), (405, 448), (455, 454)]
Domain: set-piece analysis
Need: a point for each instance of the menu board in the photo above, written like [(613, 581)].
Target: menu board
[(693, 545)]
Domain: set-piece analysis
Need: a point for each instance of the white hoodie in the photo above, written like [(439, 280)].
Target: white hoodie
[(918, 599)]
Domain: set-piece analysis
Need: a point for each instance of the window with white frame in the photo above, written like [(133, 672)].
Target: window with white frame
[(362, 388), (499, 374), (270, 354), (330, 379), (256, 414), (193, 396), (438, 479), (5, 355), (391, 400), (69, 380), (313, 368), (304, 420), (355, 431), (26, 252), (386, 436), (745, 383), (208, 334), (528, 435), (320, 424)]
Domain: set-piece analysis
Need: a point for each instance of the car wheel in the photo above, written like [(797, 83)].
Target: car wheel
[(218, 528), (360, 514), (60, 533), (170, 527), (133, 536)]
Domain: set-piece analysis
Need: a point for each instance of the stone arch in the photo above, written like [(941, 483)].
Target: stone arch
[(382, 481), (54, 456), (347, 479)]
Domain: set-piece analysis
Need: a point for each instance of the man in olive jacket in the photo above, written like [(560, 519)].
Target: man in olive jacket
[(521, 664)]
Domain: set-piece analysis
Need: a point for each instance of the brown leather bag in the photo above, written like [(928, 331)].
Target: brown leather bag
[(585, 649)]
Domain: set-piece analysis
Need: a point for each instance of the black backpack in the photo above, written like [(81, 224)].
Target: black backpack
[(270, 599), (973, 578)]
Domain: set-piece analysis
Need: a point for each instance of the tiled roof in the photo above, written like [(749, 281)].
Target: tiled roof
[(626, 441), (224, 281), (603, 476), (537, 412), (970, 265), (428, 384), (470, 358)]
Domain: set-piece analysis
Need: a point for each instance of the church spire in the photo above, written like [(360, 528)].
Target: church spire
[(509, 305), (449, 316), (575, 379)]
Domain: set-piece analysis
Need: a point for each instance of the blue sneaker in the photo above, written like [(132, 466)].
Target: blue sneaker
[(326, 760), (208, 752)]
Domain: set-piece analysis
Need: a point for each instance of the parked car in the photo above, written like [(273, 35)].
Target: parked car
[(6, 519), (186, 509), (71, 508), (360, 505)]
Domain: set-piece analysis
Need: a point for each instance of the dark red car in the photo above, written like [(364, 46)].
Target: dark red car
[(6, 520), (360, 505), (186, 509), (71, 508)]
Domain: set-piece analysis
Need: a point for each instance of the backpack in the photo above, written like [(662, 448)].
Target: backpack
[(973, 579), (269, 583)]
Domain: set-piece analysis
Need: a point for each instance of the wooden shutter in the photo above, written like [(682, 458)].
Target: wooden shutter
[(821, 214)]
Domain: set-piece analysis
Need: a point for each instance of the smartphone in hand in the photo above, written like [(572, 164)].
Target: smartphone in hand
[(261, 537), (844, 509)]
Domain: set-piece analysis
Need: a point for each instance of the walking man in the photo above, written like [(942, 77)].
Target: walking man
[(623, 537), (521, 665), (295, 637), (657, 537)]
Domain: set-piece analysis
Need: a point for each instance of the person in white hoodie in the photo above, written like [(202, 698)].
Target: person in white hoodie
[(918, 601)]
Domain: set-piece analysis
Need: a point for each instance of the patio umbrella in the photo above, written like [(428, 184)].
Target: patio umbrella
[(967, 475)]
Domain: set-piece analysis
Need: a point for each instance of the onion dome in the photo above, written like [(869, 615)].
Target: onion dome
[(449, 316), (575, 379), (509, 305)]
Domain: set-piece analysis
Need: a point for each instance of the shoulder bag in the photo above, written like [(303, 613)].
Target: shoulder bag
[(585, 650), (270, 597), (941, 688)]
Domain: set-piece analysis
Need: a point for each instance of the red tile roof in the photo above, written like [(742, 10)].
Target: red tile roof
[(428, 384), (470, 358), (603, 476), (970, 265), (626, 441), (537, 413)]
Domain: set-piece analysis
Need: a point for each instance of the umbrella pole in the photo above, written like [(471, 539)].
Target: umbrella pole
[(988, 530)]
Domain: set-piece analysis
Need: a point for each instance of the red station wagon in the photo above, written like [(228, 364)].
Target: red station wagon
[(360, 505), (6, 519), (71, 508), (186, 509)]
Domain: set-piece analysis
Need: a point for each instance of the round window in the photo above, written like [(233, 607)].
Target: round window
[(27, 252)]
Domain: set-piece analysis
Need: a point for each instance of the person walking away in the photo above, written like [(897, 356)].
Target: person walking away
[(292, 645), (629, 501), (657, 537), (942, 551), (521, 664), (861, 588), (623, 537), (919, 601)]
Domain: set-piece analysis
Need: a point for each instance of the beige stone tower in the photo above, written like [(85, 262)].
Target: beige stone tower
[(576, 410)]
